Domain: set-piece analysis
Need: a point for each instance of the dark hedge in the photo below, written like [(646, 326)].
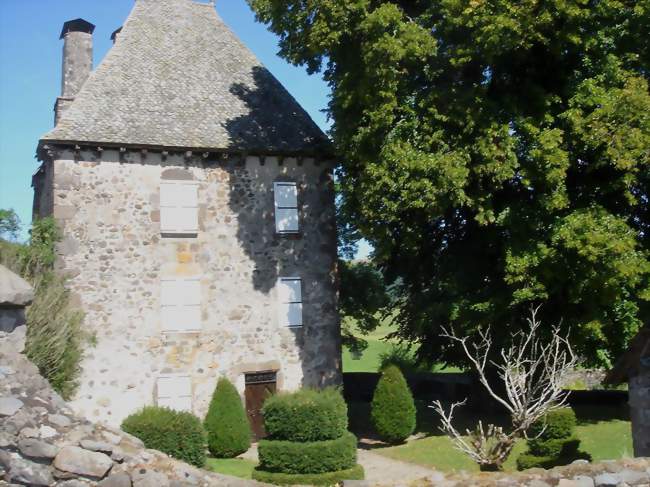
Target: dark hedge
[(228, 429), (328, 478)]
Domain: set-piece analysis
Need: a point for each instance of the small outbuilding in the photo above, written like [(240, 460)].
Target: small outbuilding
[(634, 367), (15, 295)]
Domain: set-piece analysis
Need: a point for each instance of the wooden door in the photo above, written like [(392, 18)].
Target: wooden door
[(259, 386)]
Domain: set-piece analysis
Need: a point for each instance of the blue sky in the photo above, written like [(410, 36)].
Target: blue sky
[(30, 75)]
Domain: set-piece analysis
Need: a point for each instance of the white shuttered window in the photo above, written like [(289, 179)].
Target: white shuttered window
[(286, 207), (175, 392), (180, 305), (179, 207), (290, 301)]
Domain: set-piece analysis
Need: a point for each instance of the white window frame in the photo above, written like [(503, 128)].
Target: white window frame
[(183, 397), (286, 209), (193, 307), (285, 304), (187, 212)]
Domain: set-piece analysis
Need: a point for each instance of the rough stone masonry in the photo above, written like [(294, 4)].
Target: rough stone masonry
[(179, 100)]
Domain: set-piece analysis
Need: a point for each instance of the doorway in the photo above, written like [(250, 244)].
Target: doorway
[(259, 386)]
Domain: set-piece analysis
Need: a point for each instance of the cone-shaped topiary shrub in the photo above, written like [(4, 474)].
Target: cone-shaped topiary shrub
[(552, 442), (229, 433), (393, 408), (179, 434), (308, 441)]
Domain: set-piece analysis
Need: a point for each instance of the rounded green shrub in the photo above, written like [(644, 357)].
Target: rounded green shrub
[(393, 408), (176, 433), (556, 424), (327, 478), (552, 442), (306, 415), (229, 432), (308, 457)]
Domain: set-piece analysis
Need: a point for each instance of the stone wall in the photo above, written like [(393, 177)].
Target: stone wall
[(639, 387), (107, 204), (43, 443)]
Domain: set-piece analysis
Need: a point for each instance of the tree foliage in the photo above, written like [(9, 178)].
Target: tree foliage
[(9, 224), (495, 153)]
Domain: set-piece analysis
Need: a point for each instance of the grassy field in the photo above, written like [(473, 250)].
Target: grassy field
[(604, 431), (232, 466), (369, 359)]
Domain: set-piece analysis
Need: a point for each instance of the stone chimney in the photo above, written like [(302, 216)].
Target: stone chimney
[(77, 38)]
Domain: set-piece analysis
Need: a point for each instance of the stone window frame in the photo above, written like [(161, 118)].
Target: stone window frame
[(179, 232), (189, 397), (199, 324), (284, 181), (283, 313)]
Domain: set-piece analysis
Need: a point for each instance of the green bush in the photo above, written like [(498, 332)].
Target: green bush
[(401, 357), (55, 337), (306, 415), (552, 442), (328, 478), (229, 433), (308, 457), (556, 424), (179, 434), (393, 408)]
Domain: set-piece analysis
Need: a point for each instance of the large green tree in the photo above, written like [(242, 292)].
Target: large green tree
[(495, 153)]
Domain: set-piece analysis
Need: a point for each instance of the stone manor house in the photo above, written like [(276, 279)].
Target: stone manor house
[(196, 202)]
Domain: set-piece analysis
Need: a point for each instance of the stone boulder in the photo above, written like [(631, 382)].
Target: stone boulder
[(14, 290)]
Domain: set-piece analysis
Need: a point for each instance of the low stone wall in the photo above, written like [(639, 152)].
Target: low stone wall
[(42, 443), (620, 473)]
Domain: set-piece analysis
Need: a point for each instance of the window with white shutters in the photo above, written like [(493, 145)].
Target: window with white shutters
[(180, 303), (290, 301), (179, 207), (174, 391), (286, 207)]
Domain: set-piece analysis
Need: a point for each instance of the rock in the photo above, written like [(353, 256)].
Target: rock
[(34, 448), (436, 477), (6, 370), (10, 405), (93, 445), (112, 437), (150, 479), (357, 483), (47, 432), (59, 420), (116, 480), (577, 482), (73, 483), (29, 433), (14, 290), (538, 483), (606, 480), (7, 440), (633, 477), (82, 462), (25, 472)]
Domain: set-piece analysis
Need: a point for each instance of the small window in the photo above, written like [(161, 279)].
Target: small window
[(179, 207), (286, 207), (174, 391), (290, 301), (180, 302)]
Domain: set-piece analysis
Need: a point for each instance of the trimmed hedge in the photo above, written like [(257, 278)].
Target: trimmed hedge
[(526, 460), (306, 415), (393, 408), (309, 457), (553, 442), (328, 478), (179, 434), (229, 433), (556, 424)]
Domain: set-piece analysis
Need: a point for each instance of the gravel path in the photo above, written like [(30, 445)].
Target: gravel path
[(386, 471), (380, 470)]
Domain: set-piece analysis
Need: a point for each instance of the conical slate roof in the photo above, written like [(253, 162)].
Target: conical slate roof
[(178, 77)]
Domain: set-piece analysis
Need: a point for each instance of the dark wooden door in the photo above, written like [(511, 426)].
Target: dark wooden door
[(259, 386)]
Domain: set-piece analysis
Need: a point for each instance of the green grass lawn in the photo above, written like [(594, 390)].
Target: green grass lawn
[(236, 467), (603, 432)]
